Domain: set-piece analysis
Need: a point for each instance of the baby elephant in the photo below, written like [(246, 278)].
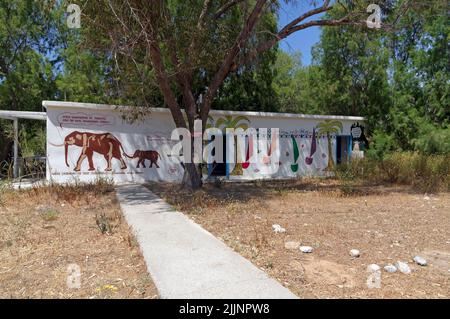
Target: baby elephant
[(152, 156)]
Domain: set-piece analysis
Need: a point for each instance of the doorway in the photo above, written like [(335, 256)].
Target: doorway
[(343, 148), (219, 169)]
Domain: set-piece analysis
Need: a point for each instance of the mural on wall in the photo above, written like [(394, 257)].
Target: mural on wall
[(266, 158), (98, 140), (105, 144), (295, 166), (309, 159), (359, 139), (328, 128), (248, 155), (236, 122), (152, 156)]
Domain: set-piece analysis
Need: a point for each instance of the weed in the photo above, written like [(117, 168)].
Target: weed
[(50, 215), (103, 224)]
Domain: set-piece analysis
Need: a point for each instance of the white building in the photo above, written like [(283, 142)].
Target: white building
[(85, 141)]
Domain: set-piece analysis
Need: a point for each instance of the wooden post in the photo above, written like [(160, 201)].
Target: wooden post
[(16, 148)]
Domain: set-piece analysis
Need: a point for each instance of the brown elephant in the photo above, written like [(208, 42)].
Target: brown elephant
[(105, 144), (152, 156)]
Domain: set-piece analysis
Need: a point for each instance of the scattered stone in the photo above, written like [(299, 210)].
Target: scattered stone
[(426, 198), (420, 261), (306, 249), (291, 245), (390, 268), (373, 268), (403, 267), (355, 253), (278, 229)]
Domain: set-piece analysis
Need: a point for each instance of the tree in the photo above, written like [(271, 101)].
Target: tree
[(419, 116), (27, 36), (189, 42), (353, 77), (299, 89)]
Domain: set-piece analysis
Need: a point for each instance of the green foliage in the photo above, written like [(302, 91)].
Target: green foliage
[(26, 40), (32, 141), (382, 143), (433, 140), (398, 80), (425, 173)]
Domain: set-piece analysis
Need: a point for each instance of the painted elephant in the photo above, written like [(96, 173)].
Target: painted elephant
[(152, 156), (105, 144)]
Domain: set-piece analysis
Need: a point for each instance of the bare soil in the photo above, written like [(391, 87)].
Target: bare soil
[(387, 224), (44, 231)]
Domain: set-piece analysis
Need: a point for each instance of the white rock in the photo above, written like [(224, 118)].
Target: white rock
[(390, 268), (373, 268), (278, 229), (403, 267), (306, 249), (355, 253), (420, 261), (426, 198), (291, 245)]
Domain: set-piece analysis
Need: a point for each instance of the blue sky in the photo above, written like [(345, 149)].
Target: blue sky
[(302, 40)]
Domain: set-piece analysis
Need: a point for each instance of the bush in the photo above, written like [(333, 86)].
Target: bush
[(433, 141), (426, 173)]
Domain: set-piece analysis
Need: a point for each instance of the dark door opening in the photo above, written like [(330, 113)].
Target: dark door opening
[(219, 169), (342, 149)]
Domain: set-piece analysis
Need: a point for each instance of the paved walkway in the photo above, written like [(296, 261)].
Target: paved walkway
[(186, 261)]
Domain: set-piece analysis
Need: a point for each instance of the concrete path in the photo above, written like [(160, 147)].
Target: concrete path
[(186, 261)]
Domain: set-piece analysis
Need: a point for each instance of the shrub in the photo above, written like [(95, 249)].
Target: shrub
[(426, 173), (431, 173)]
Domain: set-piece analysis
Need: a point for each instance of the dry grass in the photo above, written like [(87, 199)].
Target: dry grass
[(44, 230), (386, 224)]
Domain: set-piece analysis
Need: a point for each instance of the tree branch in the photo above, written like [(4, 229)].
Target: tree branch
[(160, 70), (225, 67), (223, 9)]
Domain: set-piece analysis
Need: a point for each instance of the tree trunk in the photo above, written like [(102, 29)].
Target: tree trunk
[(192, 178), (5, 147)]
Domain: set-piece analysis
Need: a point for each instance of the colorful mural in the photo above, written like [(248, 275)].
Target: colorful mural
[(309, 159), (359, 139), (105, 145), (236, 122), (295, 166), (329, 128)]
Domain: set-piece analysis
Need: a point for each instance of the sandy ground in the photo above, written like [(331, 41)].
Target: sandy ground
[(387, 224), (44, 231)]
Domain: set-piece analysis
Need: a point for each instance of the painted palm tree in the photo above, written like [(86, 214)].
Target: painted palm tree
[(327, 128), (210, 123), (232, 122)]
